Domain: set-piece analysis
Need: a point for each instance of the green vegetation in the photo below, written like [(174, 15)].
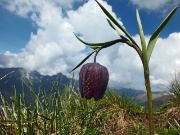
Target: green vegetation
[(175, 88), (64, 112)]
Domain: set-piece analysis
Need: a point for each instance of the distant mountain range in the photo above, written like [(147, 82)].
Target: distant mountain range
[(20, 79)]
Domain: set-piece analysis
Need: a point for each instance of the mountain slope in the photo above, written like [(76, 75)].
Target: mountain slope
[(20, 79)]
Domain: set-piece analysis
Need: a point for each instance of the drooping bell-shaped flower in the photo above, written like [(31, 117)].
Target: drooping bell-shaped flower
[(93, 80)]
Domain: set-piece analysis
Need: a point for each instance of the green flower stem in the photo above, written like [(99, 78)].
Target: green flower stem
[(96, 54), (149, 97), (138, 50)]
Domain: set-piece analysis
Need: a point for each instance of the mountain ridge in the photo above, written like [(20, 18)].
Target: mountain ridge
[(20, 78)]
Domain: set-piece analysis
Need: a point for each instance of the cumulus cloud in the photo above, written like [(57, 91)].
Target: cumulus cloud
[(165, 58), (28, 7), (4, 60), (54, 47), (126, 69), (156, 5)]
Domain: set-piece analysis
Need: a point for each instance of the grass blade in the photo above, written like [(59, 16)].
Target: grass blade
[(19, 115), (157, 32)]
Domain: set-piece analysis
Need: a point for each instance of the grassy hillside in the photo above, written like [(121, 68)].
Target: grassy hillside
[(66, 113)]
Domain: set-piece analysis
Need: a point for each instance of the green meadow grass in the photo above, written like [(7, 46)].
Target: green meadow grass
[(64, 112)]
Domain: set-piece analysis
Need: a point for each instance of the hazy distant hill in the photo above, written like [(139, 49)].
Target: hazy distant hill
[(139, 96), (159, 98), (128, 92)]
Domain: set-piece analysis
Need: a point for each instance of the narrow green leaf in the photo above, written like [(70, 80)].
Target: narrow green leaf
[(126, 41), (95, 44), (143, 42), (116, 23), (110, 24), (117, 30), (82, 62), (157, 32), (94, 47), (124, 38)]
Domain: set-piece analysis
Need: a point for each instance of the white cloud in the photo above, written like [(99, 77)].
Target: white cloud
[(165, 58), (125, 66), (156, 5), (4, 60), (55, 49), (89, 20), (28, 7)]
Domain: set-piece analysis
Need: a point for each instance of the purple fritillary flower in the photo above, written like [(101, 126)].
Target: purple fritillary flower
[(93, 80)]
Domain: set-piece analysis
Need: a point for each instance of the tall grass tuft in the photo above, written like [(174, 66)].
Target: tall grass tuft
[(175, 88), (64, 112)]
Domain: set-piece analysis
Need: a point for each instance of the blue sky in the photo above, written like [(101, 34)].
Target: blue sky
[(15, 30), (38, 35), (150, 19)]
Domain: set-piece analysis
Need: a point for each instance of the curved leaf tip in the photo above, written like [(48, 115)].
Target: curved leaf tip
[(155, 35)]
